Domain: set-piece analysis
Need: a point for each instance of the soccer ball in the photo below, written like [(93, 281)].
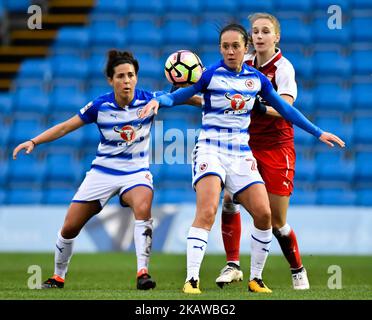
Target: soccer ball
[(183, 68)]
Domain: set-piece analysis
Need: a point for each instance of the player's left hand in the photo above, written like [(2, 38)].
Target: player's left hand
[(146, 111), (328, 138)]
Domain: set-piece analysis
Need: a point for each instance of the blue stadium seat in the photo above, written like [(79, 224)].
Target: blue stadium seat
[(177, 172), (150, 66), (97, 65), (143, 32), (336, 125), (23, 130), (154, 7), (58, 196), (362, 4), (4, 134), (107, 33), (219, 6), (63, 168), (96, 91), (302, 138), (72, 37), (2, 192), (172, 30), (65, 98), (361, 29), (324, 35), (331, 166), (17, 6), (26, 169), (24, 196), (209, 58), (255, 6), (305, 101), (293, 5), (6, 103), (362, 96), (363, 169), (336, 197), (362, 129), (209, 33), (340, 66), (294, 30), (324, 4), (31, 100), (182, 7), (305, 168), (175, 195), (111, 7), (362, 64), (303, 197), (332, 97), (69, 67), (302, 64), (4, 170), (364, 197), (34, 69), (91, 135)]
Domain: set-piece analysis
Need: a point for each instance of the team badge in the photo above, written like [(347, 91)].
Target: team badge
[(249, 84), (203, 166)]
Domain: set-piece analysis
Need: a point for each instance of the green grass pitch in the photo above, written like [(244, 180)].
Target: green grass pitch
[(112, 276)]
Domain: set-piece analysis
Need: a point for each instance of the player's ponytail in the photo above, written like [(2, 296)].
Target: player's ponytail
[(115, 57)]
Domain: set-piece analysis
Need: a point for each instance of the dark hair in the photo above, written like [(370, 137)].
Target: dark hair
[(236, 27), (116, 57)]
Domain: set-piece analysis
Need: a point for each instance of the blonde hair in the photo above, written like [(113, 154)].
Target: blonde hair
[(263, 15)]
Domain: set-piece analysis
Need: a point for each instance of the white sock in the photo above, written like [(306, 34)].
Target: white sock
[(260, 246), (197, 240), (62, 255), (285, 230), (143, 242)]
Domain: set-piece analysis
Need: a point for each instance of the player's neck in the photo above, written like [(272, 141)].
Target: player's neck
[(122, 102), (263, 57)]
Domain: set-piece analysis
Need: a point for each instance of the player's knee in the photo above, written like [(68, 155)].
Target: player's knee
[(70, 231), (262, 216), (142, 211), (206, 215)]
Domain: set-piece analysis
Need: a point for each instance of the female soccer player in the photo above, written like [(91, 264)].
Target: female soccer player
[(222, 157), (121, 166), (272, 144)]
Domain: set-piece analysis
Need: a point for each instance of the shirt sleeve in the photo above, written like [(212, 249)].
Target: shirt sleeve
[(89, 112), (290, 113), (285, 80)]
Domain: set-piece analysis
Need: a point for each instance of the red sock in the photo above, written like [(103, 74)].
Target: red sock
[(231, 232), (290, 249)]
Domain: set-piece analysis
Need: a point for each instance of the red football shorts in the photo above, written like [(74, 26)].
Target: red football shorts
[(277, 168)]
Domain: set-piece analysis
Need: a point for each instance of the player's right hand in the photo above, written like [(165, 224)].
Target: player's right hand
[(153, 105), (328, 138), (28, 145)]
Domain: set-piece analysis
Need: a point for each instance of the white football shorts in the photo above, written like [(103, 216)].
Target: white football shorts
[(101, 186), (237, 173)]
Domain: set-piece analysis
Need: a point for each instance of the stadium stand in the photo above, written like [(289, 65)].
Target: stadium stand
[(48, 76)]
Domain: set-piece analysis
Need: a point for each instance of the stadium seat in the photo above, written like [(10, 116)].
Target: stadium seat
[(364, 197), (324, 4), (58, 196), (176, 7), (305, 168), (72, 37), (31, 100), (305, 101), (172, 30), (17, 6), (24, 196), (144, 33), (219, 6), (362, 130), (302, 138), (65, 98), (23, 130), (63, 168), (111, 7), (361, 29), (324, 35), (362, 4), (340, 66), (362, 64), (209, 34), (303, 197), (72, 139), (177, 173), (150, 66), (362, 96), (91, 135), (332, 97), (293, 5), (6, 103), (302, 64), (255, 6), (363, 169), (34, 69), (26, 169), (336, 197), (336, 125), (107, 34), (4, 170), (294, 30), (69, 67), (154, 7), (175, 195), (331, 166)]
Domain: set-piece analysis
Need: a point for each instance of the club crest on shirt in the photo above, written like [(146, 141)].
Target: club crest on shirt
[(203, 166), (249, 84), (127, 133)]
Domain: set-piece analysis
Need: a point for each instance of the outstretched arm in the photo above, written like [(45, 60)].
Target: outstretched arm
[(291, 114), (51, 134)]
